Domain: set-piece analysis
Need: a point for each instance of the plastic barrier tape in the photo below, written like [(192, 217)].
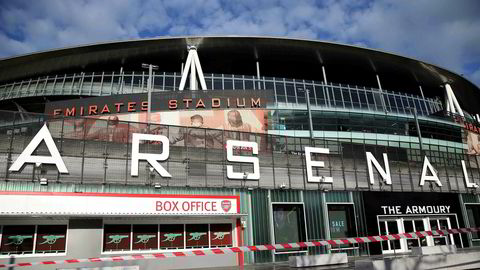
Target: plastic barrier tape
[(214, 251)]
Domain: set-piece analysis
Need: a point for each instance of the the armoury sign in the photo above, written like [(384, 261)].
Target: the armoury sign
[(161, 101), (428, 173)]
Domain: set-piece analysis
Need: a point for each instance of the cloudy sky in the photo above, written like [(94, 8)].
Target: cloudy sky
[(442, 32)]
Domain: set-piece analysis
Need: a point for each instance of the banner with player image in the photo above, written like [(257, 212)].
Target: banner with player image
[(190, 128)]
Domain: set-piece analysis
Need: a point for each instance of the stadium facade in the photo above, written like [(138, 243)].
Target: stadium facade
[(180, 144)]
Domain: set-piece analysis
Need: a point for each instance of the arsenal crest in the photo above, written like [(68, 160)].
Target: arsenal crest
[(226, 205)]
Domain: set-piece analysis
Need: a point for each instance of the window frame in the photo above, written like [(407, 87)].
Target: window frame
[(159, 222), (36, 223)]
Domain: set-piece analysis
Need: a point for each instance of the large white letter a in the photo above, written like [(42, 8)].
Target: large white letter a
[(26, 155)]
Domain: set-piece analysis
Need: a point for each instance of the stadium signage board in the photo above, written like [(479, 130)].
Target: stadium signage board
[(428, 173), (161, 101), (17, 203)]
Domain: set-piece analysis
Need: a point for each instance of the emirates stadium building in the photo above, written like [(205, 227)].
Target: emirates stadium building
[(186, 144)]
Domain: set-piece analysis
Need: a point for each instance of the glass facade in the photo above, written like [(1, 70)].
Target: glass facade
[(288, 92), (107, 158)]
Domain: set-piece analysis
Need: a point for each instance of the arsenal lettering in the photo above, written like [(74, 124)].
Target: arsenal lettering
[(428, 172)]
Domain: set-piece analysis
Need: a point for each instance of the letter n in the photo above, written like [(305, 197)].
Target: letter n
[(384, 173)]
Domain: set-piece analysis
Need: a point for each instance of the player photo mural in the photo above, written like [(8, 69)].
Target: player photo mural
[(192, 128)]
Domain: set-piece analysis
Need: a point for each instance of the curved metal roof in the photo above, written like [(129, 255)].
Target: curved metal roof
[(278, 57)]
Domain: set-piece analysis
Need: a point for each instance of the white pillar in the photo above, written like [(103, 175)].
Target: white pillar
[(452, 101), (324, 75), (193, 65)]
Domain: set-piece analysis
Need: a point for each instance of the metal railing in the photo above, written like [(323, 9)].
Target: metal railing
[(288, 92)]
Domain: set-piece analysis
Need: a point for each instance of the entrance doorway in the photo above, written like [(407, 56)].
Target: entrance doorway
[(407, 224)]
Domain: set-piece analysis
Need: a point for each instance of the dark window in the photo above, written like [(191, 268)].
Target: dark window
[(290, 93), (221, 235), (473, 214), (51, 238), (145, 237), (288, 223), (346, 98), (239, 84), (197, 235), (280, 91), (341, 221), (17, 239), (116, 237), (217, 84), (171, 236), (228, 84), (248, 84)]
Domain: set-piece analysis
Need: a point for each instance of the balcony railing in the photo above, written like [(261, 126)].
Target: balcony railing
[(287, 91)]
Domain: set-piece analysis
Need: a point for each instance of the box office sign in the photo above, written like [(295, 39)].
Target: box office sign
[(104, 204), (428, 172)]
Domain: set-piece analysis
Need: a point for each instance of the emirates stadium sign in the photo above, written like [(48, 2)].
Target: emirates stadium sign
[(428, 173)]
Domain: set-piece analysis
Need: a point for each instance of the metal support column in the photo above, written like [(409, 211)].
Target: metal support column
[(149, 87), (258, 74)]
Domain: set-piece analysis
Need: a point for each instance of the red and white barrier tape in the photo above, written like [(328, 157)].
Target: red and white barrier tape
[(216, 251)]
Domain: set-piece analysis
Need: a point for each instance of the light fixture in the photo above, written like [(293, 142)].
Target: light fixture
[(43, 181)]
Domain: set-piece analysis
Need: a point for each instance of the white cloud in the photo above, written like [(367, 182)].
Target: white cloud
[(443, 32)]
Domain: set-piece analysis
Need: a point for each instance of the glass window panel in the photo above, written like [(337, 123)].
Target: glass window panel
[(217, 84), (280, 91), (301, 95), (393, 229), (171, 236), (197, 235), (346, 98), (370, 99), (17, 239), (221, 235), (473, 214), (239, 84), (248, 84), (363, 99), (290, 93), (51, 238), (288, 223), (168, 82), (341, 221), (320, 96), (228, 84), (116, 237), (145, 237)]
